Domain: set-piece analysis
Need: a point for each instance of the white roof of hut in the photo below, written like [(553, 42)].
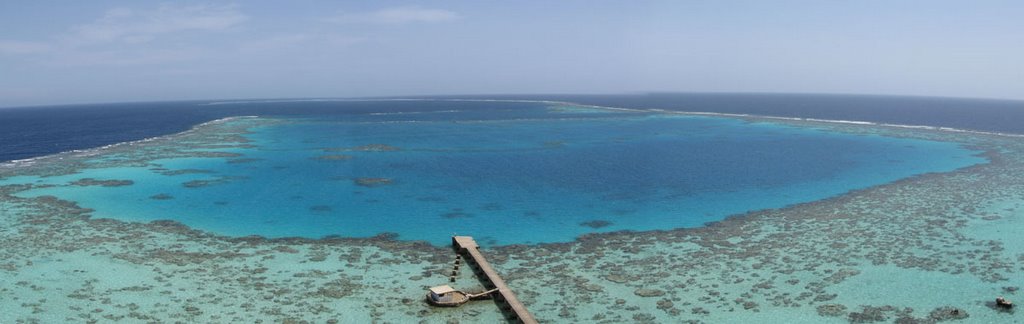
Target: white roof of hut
[(441, 290)]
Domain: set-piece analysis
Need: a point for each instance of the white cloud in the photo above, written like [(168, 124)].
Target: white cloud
[(124, 57), (19, 47), (396, 15), (132, 26), (122, 37)]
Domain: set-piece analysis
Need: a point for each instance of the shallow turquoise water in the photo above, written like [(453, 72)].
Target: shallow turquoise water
[(910, 251), (529, 176)]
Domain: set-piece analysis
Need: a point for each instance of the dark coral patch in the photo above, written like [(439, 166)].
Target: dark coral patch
[(210, 182), (372, 182), (84, 182), (333, 157), (456, 214), (161, 196), (184, 171), (595, 224), (243, 160)]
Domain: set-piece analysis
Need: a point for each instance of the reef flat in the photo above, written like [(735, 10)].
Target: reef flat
[(932, 247), (539, 174)]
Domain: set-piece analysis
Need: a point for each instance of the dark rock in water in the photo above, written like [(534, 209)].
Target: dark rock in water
[(1011, 290), (1004, 303), (596, 224), (1001, 304), (831, 310), (644, 292), (948, 313), (162, 196), (372, 182), (105, 183)]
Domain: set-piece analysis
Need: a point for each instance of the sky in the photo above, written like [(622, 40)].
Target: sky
[(65, 52)]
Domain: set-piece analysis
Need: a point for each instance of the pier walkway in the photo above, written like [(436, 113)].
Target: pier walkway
[(466, 244)]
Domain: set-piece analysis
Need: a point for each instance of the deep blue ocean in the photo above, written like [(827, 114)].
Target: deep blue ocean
[(36, 131), (506, 172)]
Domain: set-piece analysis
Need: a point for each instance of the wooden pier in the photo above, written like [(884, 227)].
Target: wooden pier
[(466, 245)]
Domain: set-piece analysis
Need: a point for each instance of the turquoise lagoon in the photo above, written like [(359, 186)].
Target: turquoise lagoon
[(537, 175), (591, 215)]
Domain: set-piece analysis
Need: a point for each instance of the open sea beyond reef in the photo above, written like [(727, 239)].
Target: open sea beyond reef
[(622, 209)]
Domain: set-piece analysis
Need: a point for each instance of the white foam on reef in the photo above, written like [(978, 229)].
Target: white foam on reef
[(715, 114), (332, 100), (832, 121), (97, 150), (699, 113), (101, 149)]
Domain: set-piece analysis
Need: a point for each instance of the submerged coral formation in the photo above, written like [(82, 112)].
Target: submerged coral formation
[(372, 182), (845, 259), (334, 157), (84, 182)]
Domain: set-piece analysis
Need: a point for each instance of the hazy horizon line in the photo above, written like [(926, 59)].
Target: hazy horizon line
[(482, 96)]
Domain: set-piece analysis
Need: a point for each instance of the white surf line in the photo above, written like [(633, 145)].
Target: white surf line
[(215, 103), (848, 122), (655, 110), (100, 149), (716, 114), (30, 161), (833, 121)]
